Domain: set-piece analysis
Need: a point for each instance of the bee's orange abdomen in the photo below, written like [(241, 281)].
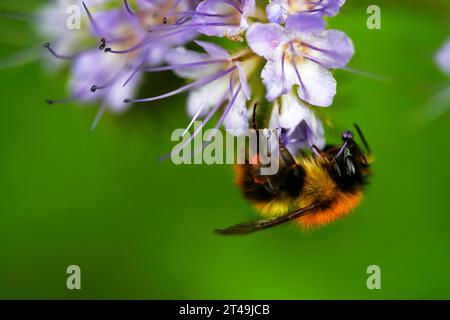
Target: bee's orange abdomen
[(341, 206)]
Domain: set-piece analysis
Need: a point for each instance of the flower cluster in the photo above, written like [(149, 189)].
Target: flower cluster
[(282, 46)]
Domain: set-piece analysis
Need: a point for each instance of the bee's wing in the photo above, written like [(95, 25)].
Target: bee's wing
[(249, 227)]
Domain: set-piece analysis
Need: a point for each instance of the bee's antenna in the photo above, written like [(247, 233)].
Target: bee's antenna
[(254, 120), (363, 139), (341, 151), (255, 126)]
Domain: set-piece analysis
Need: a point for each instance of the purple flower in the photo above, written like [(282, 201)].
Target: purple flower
[(300, 127), (112, 74), (52, 22), (149, 36), (167, 22), (443, 57), (97, 75), (218, 78), (302, 59), (227, 18), (279, 11)]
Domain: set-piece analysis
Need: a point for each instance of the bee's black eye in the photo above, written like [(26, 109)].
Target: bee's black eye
[(350, 166)]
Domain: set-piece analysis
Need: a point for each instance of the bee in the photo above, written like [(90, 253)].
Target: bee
[(313, 190)]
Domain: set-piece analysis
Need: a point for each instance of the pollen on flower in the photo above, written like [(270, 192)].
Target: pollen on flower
[(238, 37)]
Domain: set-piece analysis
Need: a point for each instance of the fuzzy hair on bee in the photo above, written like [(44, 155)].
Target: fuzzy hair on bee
[(312, 190)]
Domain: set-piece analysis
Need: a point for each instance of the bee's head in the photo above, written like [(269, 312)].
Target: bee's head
[(351, 166)]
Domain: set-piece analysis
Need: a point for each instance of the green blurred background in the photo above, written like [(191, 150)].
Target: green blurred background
[(142, 229)]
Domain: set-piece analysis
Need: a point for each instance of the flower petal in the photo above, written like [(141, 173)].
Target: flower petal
[(292, 111), (301, 128), (228, 16), (266, 39), (305, 22), (248, 10), (332, 7), (272, 78), (117, 93), (243, 80), (318, 86), (236, 121), (208, 96), (181, 55), (214, 51), (277, 11), (331, 48)]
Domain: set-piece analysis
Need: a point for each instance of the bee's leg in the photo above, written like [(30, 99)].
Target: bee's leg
[(255, 126), (287, 157), (254, 120), (316, 150)]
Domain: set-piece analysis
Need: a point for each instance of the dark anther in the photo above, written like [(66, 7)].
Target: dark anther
[(108, 50), (94, 88), (103, 45), (49, 101), (165, 20), (127, 101), (47, 45)]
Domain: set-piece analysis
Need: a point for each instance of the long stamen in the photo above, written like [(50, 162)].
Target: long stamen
[(71, 98), (192, 85), (185, 66), (314, 10), (366, 74), (234, 5), (231, 87), (133, 74), (20, 58), (175, 5), (315, 2), (313, 47), (294, 64), (99, 115), (144, 42), (194, 118), (173, 67), (106, 85), (206, 120), (192, 26), (91, 19), (224, 115), (228, 108), (196, 132), (283, 68), (112, 80), (182, 20), (187, 15), (198, 13), (129, 10), (57, 55)]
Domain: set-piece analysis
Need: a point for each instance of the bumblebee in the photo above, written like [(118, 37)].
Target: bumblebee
[(312, 190)]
